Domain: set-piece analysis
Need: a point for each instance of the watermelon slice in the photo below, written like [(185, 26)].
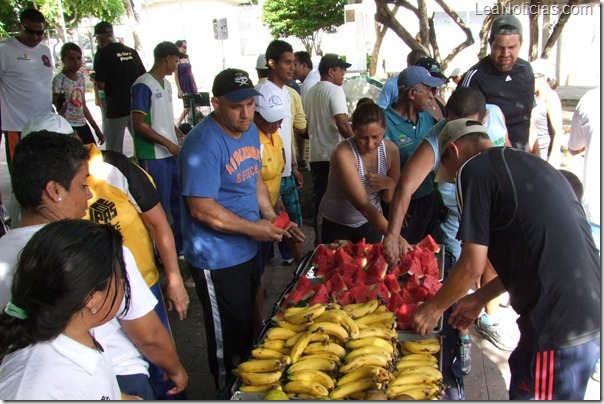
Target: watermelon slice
[(345, 298), (406, 311), (395, 302), (359, 293), (338, 284), (377, 268), (412, 284), (421, 295), (391, 283), (431, 284), (360, 277), (429, 244), (406, 296), (358, 249), (321, 296), (342, 257), (282, 221)]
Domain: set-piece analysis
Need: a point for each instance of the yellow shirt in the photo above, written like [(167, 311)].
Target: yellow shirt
[(273, 163), (120, 192)]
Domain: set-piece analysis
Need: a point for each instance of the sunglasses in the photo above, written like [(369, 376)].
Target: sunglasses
[(33, 31)]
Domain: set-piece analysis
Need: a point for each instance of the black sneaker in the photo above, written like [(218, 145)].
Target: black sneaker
[(465, 353), (495, 335)]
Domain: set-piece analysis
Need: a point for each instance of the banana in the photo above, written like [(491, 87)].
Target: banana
[(362, 361), (323, 355), (261, 388), (305, 387), (425, 346), (330, 316), (382, 332), (276, 394), (292, 326), (431, 373), (265, 353), (416, 378), (256, 379), (347, 389), (316, 376), (333, 329), (332, 348), (260, 365), (417, 391), (276, 345), (357, 310), (349, 324), (280, 333), (305, 316), (312, 364), (299, 347), (381, 308), (376, 372), (419, 357), (367, 350), (373, 318), (370, 341), (317, 337)]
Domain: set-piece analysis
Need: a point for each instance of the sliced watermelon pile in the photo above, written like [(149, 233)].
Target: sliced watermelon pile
[(358, 272)]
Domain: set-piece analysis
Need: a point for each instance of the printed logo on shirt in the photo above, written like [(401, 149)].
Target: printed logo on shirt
[(508, 78), (404, 140), (24, 57), (157, 95), (103, 211), (238, 157), (124, 56), (46, 60)]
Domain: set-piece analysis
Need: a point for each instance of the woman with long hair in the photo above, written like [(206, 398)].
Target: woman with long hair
[(70, 278)]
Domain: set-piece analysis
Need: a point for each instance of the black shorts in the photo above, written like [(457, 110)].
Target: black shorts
[(85, 134)]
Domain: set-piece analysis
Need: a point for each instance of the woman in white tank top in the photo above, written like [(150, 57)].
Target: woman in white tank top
[(363, 171)]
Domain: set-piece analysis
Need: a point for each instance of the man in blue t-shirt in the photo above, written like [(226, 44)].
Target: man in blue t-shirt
[(226, 211)]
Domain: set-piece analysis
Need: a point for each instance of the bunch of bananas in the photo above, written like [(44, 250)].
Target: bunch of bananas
[(417, 375), (335, 352)]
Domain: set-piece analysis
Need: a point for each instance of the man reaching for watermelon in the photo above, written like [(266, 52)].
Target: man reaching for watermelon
[(550, 268)]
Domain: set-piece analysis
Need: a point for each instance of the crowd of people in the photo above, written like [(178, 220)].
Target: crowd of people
[(79, 279)]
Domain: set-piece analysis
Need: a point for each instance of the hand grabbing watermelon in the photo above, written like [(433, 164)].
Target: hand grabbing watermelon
[(282, 221)]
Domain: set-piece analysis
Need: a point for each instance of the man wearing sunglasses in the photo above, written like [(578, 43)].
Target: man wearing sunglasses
[(25, 77)]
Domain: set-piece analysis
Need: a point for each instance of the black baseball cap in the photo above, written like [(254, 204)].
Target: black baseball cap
[(505, 23), (432, 66), (330, 60), (234, 84), (166, 48), (103, 28)]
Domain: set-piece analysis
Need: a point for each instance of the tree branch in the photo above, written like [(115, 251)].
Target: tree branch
[(463, 26), (562, 20), (384, 16)]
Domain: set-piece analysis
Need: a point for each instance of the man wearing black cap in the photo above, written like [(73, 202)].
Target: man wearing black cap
[(116, 67), (506, 80), (226, 212), (156, 138), (327, 117), (407, 122)]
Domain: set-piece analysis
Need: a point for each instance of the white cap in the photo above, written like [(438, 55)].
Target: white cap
[(261, 62), (271, 106), (544, 67), (47, 121)]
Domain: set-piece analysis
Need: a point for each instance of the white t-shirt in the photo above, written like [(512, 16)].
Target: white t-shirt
[(61, 369), (313, 78), (267, 88), (585, 132), (323, 102), (126, 357), (25, 82)]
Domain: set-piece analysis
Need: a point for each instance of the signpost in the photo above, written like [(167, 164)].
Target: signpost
[(221, 32)]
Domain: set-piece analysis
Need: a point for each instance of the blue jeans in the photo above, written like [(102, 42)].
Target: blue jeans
[(165, 175)]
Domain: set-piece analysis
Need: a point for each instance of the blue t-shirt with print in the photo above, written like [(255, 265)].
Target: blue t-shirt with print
[(218, 166), (407, 135)]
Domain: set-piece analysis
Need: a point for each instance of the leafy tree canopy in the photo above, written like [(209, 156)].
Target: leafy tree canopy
[(73, 12), (303, 19)]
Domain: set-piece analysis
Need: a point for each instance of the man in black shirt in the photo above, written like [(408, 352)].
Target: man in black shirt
[(521, 215), (116, 68), (506, 80)]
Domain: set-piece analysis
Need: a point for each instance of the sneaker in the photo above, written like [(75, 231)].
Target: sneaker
[(494, 334), (465, 353), (596, 374)]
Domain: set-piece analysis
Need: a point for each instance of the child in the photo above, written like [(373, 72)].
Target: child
[(69, 88)]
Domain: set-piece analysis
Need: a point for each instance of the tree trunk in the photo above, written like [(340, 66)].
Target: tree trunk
[(562, 20), (424, 26), (380, 32), (134, 22), (463, 26), (384, 16), (534, 32)]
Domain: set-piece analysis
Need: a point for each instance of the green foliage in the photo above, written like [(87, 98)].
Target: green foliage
[(302, 18), (73, 12)]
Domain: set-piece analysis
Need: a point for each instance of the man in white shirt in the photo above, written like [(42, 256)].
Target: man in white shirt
[(327, 115)]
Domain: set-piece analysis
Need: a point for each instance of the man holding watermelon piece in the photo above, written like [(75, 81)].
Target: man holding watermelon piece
[(520, 213)]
